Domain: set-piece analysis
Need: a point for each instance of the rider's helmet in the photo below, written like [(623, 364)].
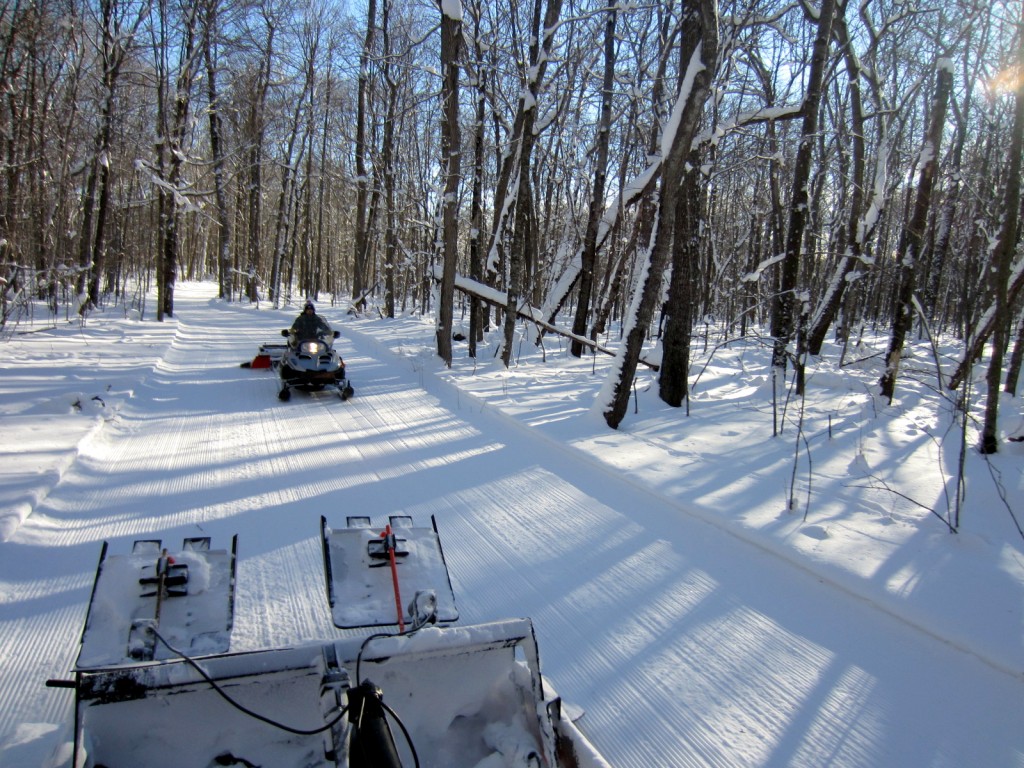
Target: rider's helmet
[(309, 305)]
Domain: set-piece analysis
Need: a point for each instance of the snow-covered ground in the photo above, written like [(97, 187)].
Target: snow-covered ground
[(679, 601)]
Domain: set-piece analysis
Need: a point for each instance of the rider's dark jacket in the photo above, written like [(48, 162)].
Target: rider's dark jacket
[(310, 326)]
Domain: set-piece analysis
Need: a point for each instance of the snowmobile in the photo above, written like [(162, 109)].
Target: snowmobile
[(156, 685), (311, 364)]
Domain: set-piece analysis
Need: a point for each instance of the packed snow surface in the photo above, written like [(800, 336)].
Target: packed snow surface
[(703, 593)]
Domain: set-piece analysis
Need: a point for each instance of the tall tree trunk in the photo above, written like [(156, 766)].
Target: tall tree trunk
[(282, 219), (518, 196), (951, 204), (322, 195), (210, 26), (973, 308), (255, 130), (304, 216), (1002, 258), (362, 238), (287, 201), (387, 154), (784, 309), (698, 59), (477, 308), (673, 377), (99, 248), (96, 201), (860, 226), (99, 173), (88, 215), (172, 127), (912, 240), (451, 165), (641, 191), (588, 256)]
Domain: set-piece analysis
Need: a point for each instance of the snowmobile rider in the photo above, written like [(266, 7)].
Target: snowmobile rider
[(310, 325)]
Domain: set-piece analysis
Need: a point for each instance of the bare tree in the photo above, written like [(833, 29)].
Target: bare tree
[(174, 94), (362, 240), (698, 58), (512, 198), (477, 308), (787, 301), (1002, 258), (210, 27), (256, 84), (867, 196), (673, 382), (588, 252), (388, 160), (295, 145), (911, 242), (451, 154), (117, 39)]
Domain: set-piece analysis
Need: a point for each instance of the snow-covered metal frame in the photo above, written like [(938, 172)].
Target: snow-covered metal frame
[(462, 694), (167, 714), (193, 606), (360, 589)]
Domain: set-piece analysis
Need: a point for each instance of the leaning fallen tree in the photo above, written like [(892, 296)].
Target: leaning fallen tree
[(496, 298)]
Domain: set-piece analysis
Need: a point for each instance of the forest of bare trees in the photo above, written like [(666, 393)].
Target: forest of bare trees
[(805, 169)]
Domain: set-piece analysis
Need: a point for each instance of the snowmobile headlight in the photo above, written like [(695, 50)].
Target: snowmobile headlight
[(311, 348)]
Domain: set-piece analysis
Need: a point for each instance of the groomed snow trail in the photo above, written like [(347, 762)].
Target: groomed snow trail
[(683, 646)]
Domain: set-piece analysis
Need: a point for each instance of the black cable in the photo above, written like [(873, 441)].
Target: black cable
[(389, 710), (405, 732), (417, 625), (366, 642), (297, 731), (241, 708)]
